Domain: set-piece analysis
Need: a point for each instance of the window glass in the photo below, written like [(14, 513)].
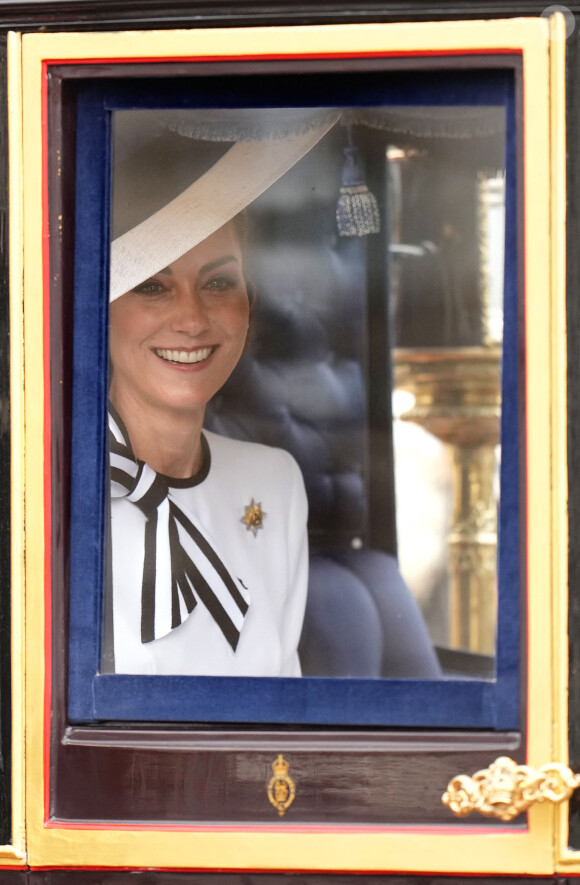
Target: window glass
[(365, 253)]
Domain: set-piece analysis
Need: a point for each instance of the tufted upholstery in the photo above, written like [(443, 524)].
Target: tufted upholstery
[(303, 385)]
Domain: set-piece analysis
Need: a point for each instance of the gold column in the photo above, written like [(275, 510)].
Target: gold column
[(458, 399)]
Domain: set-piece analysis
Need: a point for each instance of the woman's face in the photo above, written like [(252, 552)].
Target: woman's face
[(176, 337)]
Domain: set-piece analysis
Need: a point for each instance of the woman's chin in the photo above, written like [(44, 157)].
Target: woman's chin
[(183, 404)]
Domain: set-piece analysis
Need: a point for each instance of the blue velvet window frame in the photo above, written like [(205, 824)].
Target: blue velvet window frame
[(448, 703)]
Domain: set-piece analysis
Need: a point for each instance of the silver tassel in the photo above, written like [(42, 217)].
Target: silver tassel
[(357, 210)]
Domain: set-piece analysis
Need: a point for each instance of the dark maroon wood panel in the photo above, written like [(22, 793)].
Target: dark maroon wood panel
[(178, 775), (112, 14)]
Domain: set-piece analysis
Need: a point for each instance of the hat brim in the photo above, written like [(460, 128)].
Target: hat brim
[(239, 177)]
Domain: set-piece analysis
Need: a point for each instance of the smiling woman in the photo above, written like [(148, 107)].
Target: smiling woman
[(209, 549), (174, 341)]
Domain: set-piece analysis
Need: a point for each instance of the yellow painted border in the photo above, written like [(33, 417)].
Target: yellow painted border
[(563, 857), (526, 852), (14, 852)]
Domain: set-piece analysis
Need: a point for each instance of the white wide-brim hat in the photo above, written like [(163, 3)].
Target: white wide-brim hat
[(266, 144)]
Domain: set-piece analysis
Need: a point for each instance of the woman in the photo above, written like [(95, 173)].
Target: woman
[(208, 534)]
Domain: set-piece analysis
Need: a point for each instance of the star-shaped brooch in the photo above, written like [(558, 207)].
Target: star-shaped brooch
[(253, 518)]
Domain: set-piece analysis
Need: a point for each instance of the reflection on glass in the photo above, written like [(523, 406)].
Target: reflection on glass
[(447, 272), (492, 251)]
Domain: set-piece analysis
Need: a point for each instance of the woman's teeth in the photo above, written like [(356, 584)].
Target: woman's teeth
[(185, 356)]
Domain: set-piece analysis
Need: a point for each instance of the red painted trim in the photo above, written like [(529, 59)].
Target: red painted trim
[(47, 444), (69, 825), (287, 56)]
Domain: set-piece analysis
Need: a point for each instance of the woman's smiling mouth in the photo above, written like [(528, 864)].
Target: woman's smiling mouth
[(184, 357)]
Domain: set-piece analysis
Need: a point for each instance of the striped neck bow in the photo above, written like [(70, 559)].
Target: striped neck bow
[(180, 566)]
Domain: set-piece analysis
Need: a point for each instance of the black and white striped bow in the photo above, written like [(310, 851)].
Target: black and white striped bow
[(180, 565)]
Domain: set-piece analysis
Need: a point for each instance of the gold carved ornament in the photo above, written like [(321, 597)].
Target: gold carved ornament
[(505, 789), (281, 787)]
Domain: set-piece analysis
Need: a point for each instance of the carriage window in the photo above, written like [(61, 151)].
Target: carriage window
[(306, 317)]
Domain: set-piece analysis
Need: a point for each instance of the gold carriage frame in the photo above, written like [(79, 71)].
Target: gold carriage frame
[(46, 842)]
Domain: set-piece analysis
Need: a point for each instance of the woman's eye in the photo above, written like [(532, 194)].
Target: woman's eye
[(149, 287), (221, 283)]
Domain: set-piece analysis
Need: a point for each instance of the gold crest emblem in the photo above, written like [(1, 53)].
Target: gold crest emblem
[(253, 518), (281, 788)]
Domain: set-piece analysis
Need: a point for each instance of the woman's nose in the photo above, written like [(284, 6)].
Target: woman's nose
[(190, 313)]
